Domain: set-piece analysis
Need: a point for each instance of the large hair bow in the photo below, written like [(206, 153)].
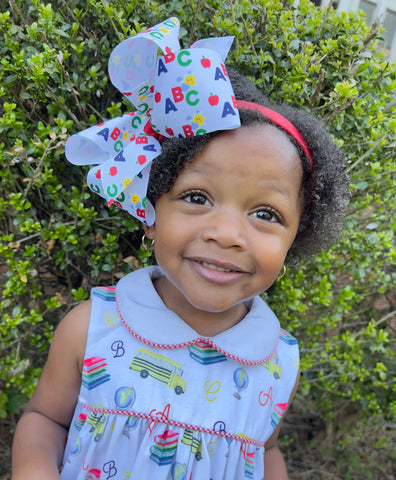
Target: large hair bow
[(183, 93)]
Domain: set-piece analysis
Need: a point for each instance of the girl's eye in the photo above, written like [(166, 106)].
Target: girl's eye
[(268, 215), (197, 198)]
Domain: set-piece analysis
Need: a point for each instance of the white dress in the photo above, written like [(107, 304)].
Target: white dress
[(158, 401)]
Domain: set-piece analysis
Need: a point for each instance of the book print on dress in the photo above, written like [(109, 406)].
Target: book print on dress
[(249, 464), (105, 293), (287, 338), (205, 354), (277, 414), (165, 447), (94, 372), (93, 474), (80, 420)]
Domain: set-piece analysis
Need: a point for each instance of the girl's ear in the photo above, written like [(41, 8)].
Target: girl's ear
[(149, 231)]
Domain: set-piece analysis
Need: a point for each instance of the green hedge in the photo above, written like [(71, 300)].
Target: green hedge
[(57, 240)]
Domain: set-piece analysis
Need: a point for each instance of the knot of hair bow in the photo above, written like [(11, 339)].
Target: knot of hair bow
[(183, 93)]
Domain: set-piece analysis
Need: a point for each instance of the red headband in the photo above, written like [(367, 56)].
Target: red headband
[(288, 127)]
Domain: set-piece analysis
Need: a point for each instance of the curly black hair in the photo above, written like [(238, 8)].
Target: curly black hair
[(325, 200)]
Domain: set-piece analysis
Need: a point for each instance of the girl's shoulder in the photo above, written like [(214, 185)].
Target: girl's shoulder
[(57, 391), (73, 329)]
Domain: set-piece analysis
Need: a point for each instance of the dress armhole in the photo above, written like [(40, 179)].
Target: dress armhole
[(272, 441)]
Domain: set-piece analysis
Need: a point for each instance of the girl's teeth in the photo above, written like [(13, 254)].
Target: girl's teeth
[(213, 267)]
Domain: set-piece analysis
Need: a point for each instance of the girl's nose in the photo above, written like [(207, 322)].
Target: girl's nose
[(227, 228)]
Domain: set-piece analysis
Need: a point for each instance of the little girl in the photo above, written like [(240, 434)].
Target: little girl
[(181, 371)]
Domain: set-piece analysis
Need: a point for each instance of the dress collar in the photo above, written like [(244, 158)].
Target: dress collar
[(251, 341)]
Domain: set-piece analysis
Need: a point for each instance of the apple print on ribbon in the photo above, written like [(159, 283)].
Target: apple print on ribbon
[(213, 100), (183, 93), (205, 62)]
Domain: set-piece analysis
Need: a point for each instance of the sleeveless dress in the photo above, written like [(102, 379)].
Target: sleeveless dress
[(158, 401)]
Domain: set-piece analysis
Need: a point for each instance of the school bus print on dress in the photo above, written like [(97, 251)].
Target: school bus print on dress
[(273, 367), (161, 368), (194, 442)]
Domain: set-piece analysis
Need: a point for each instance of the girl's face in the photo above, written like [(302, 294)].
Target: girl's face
[(223, 231)]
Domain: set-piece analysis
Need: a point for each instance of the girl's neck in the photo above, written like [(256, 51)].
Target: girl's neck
[(205, 323)]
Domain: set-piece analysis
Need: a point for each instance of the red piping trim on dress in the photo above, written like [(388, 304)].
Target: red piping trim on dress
[(174, 424), (192, 342)]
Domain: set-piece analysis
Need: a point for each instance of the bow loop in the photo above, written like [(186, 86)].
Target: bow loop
[(182, 93), (132, 64), (221, 45)]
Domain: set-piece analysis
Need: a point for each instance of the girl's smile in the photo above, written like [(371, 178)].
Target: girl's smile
[(216, 271), (223, 231)]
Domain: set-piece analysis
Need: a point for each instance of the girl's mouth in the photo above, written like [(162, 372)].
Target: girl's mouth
[(217, 271), (215, 267)]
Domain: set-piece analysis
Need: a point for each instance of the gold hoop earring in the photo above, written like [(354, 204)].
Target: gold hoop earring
[(283, 272), (145, 245)]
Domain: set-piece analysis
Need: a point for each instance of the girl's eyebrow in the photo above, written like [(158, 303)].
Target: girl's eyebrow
[(276, 188), (196, 170)]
